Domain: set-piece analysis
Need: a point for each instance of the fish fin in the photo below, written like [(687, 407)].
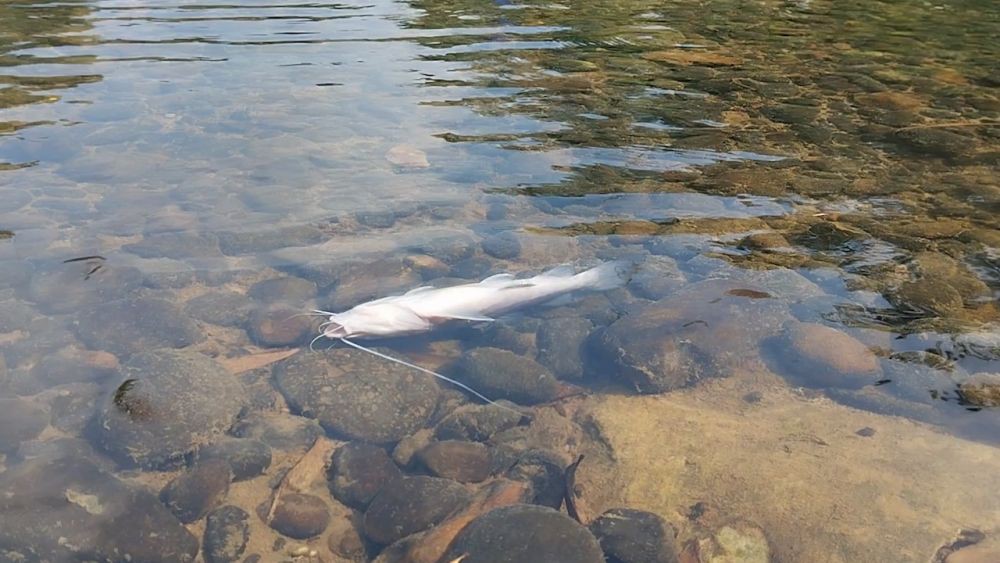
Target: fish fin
[(564, 271), (463, 317), (498, 279)]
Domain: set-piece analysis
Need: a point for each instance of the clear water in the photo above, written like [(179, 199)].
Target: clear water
[(193, 146)]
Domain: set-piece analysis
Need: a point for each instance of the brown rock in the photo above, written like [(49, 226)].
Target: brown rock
[(817, 355), (300, 516), (981, 390), (465, 462), (279, 327), (192, 494)]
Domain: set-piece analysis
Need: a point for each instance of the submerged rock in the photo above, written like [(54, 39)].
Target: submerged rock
[(246, 458), (359, 471), (545, 471), (222, 307), (499, 535), (280, 431), (933, 297), (500, 374), (280, 326), (820, 356), (227, 532), (634, 536), (300, 516), (128, 326), (465, 462), (65, 290), (357, 395), (503, 246), (20, 420), (412, 504), (288, 289), (193, 493), (981, 390), (560, 344), (168, 402), (476, 422)]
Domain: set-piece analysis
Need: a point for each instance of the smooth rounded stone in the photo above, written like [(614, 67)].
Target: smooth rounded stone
[(410, 505), (66, 508), (75, 365), (227, 531), (501, 374), (358, 471), (429, 267), (246, 458), (504, 246), (699, 332), (935, 142), (678, 247), (15, 315), (20, 420), (280, 431), (499, 537), (770, 240), (980, 389), (299, 516), (503, 335), (472, 268), (476, 422), (344, 539), (741, 542), (376, 219), (928, 296), (168, 402), (406, 450), (252, 242), (561, 344), (656, 278), (278, 327), (357, 395), (465, 462), (134, 324), (357, 282), (546, 473), (73, 405), (65, 290), (820, 356), (176, 245), (222, 307), (288, 289), (634, 536), (198, 490)]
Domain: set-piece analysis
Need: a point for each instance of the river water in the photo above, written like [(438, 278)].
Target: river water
[(806, 189)]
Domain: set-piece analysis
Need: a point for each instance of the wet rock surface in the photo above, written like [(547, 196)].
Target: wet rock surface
[(224, 308), (561, 343), (410, 505), (359, 471), (246, 458), (818, 355), (279, 431), (499, 536), (476, 422), (634, 536), (227, 531), (465, 462), (289, 289), (280, 326), (20, 420), (981, 390), (68, 509), (545, 471), (165, 404), (192, 494), (63, 291), (150, 323), (300, 516), (501, 374), (503, 246), (356, 395)]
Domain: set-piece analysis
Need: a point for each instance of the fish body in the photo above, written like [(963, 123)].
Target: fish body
[(424, 308)]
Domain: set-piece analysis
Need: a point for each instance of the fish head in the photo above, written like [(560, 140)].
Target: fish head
[(375, 320)]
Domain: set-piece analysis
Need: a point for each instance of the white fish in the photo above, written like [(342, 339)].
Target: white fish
[(423, 308)]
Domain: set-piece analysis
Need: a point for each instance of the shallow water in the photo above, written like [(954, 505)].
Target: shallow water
[(834, 164)]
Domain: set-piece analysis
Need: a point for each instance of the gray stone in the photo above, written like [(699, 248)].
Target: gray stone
[(288, 289), (499, 537), (176, 245), (561, 343), (410, 505), (280, 431), (20, 420), (72, 287), (73, 406), (376, 219), (227, 531), (131, 325), (656, 278), (246, 458), (500, 374), (280, 326), (634, 536), (476, 422), (358, 471), (357, 395), (15, 315), (504, 246), (222, 307), (251, 242), (192, 494), (168, 402)]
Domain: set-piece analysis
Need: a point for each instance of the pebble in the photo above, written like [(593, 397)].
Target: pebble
[(299, 516), (192, 494), (499, 535), (221, 307), (20, 420), (358, 471), (980, 389), (745, 543), (131, 325), (546, 473), (501, 374), (279, 327), (279, 431), (561, 343), (633, 536), (167, 402), (412, 504), (820, 356), (504, 246), (246, 458), (465, 462), (476, 422), (288, 289), (227, 531), (356, 395)]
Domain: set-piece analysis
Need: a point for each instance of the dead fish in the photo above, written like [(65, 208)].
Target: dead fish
[(424, 308)]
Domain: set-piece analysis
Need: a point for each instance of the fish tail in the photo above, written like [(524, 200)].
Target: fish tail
[(607, 276)]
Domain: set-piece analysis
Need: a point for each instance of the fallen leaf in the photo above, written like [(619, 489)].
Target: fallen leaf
[(241, 364)]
